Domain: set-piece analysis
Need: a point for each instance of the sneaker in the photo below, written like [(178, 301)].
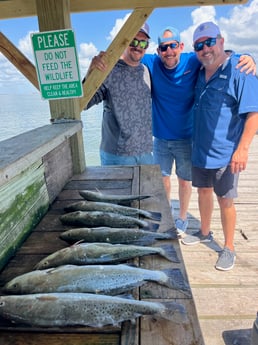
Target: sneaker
[(181, 226), (196, 238), (226, 260)]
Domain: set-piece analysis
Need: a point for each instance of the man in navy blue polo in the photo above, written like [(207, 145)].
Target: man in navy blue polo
[(225, 122)]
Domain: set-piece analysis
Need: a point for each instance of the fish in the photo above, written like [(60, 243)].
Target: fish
[(117, 235), (112, 198), (98, 279), (82, 309), (109, 207), (96, 218), (100, 253)]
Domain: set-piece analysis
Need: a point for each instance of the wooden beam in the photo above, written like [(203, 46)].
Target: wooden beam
[(19, 60), (27, 8), (114, 51)]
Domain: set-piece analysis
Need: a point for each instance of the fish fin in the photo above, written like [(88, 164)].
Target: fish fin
[(154, 215), (174, 312), (151, 226), (169, 252), (141, 197), (143, 242), (126, 296), (77, 243), (172, 233), (176, 281)]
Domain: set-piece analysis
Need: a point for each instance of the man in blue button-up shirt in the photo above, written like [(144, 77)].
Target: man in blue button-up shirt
[(225, 122)]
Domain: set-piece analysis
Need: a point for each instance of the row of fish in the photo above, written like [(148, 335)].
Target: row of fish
[(73, 281), (98, 209)]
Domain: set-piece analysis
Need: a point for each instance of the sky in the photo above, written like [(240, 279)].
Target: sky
[(94, 32)]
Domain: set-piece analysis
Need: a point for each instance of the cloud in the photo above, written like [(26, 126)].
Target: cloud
[(25, 46), (118, 24), (238, 29), (86, 52)]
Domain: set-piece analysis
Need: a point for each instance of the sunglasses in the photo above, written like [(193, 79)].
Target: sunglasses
[(164, 47), (210, 42), (141, 43)]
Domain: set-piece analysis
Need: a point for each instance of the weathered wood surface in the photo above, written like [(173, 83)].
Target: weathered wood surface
[(45, 240), (34, 167), (226, 302), (20, 152)]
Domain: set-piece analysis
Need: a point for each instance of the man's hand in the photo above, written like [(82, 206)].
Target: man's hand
[(239, 161), (247, 64)]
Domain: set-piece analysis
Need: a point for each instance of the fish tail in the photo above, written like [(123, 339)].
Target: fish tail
[(151, 215), (172, 233), (174, 312), (151, 226), (175, 280), (144, 241), (169, 253)]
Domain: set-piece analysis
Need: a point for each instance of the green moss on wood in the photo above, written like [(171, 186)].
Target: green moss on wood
[(22, 215)]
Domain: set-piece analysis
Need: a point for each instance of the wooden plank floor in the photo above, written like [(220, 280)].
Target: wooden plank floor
[(44, 240), (226, 302)]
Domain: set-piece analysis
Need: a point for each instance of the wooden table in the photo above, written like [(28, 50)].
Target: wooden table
[(44, 240)]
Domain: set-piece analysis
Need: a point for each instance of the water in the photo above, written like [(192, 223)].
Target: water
[(21, 113)]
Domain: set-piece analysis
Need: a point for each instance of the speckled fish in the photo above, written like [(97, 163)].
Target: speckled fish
[(96, 218), (116, 235), (70, 309), (99, 253), (102, 279), (109, 207), (115, 199)]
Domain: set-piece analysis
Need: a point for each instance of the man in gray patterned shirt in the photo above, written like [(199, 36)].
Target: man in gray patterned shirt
[(126, 96)]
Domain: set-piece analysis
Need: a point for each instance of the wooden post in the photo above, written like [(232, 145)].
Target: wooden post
[(55, 15)]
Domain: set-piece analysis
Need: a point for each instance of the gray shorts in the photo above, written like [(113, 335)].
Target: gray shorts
[(166, 152), (222, 180)]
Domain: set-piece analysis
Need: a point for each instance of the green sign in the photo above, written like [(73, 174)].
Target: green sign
[(57, 64)]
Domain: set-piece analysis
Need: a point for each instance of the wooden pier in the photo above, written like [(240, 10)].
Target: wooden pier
[(44, 240), (226, 302)]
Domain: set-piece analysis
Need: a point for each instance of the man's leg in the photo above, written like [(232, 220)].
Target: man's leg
[(184, 193), (167, 186), (228, 220), (227, 256), (205, 202)]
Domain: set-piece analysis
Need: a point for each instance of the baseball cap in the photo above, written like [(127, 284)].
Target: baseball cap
[(145, 29), (175, 35), (207, 29)]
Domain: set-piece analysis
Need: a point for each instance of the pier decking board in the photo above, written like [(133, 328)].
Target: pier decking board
[(45, 239)]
